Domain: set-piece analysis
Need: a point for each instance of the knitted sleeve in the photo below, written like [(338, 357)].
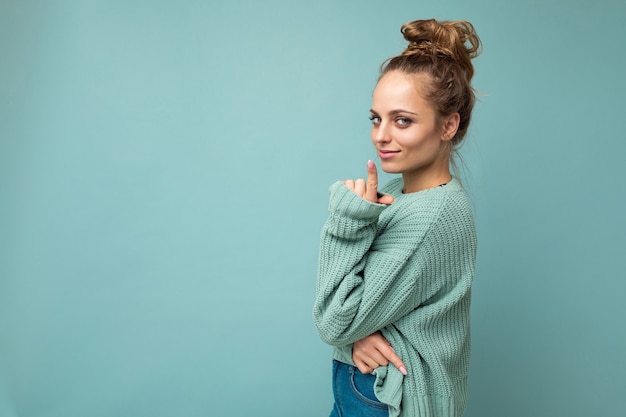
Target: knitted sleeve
[(365, 284)]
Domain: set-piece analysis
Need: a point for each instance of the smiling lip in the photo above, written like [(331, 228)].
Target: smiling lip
[(386, 154)]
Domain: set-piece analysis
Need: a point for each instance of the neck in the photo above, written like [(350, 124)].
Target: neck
[(430, 177), (413, 186)]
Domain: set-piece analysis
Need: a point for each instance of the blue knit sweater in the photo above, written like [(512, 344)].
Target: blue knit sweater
[(405, 269)]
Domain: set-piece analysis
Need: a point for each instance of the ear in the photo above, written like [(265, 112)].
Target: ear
[(450, 126)]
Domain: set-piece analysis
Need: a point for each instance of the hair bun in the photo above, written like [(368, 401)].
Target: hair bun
[(456, 40)]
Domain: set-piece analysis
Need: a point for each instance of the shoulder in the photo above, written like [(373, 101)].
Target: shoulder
[(455, 221), (447, 204), (393, 187), (457, 204)]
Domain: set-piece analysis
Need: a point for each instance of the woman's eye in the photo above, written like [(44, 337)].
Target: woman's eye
[(375, 119), (403, 121)]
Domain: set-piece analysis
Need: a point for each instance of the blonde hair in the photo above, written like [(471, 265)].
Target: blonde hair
[(443, 50)]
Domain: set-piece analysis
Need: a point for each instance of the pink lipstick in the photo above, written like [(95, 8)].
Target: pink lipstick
[(386, 154)]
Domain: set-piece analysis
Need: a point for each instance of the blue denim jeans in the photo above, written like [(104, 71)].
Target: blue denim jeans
[(354, 393)]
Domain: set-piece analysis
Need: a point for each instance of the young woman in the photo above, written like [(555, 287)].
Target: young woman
[(396, 267)]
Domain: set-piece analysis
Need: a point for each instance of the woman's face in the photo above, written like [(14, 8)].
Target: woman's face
[(405, 129)]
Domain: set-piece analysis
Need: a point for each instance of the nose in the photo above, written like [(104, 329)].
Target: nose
[(381, 133)]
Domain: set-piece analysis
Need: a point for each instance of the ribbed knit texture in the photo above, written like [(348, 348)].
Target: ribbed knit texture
[(405, 269)]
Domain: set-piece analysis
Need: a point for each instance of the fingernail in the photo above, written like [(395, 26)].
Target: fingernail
[(403, 370), (370, 164)]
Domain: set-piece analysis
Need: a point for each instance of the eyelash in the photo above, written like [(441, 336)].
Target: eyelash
[(402, 122), (374, 119), (405, 121)]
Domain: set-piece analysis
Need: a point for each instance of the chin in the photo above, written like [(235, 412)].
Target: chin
[(389, 168)]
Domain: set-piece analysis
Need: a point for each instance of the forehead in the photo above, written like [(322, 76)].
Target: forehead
[(397, 89)]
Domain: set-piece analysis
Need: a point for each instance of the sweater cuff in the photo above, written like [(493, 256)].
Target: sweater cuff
[(346, 202)]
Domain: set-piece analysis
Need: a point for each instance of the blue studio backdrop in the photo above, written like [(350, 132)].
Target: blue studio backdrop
[(164, 168)]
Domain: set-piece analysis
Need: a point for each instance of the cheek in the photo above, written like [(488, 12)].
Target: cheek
[(409, 139)]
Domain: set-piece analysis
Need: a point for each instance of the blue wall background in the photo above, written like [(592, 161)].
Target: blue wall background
[(163, 179)]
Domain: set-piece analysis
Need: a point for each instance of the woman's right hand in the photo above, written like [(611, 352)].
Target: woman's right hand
[(373, 351), (369, 189)]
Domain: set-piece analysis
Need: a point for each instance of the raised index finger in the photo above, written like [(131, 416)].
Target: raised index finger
[(371, 192)]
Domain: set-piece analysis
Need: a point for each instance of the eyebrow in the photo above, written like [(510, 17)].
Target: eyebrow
[(395, 112)]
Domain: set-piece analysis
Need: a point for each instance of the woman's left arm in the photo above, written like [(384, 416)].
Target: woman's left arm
[(373, 351)]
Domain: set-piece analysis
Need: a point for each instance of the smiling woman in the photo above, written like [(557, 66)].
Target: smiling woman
[(407, 132), (395, 270)]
